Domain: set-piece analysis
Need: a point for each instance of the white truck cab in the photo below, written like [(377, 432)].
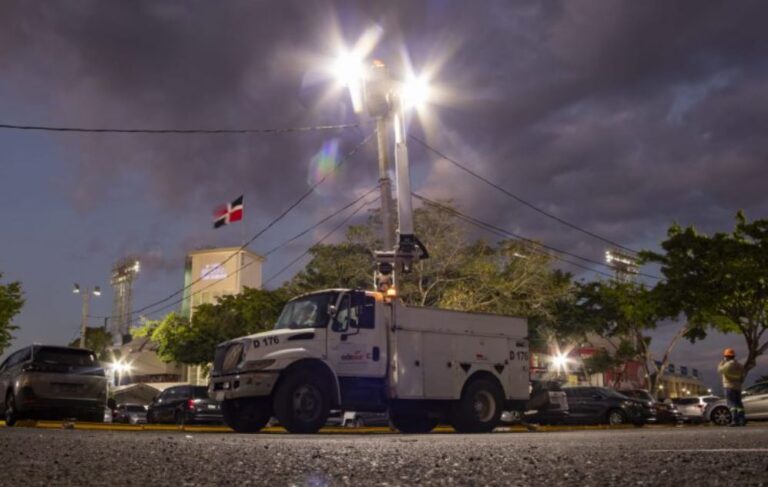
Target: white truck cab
[(355, 350)]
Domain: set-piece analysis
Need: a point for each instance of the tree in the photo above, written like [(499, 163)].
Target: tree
[(11, 302), (194, 342), (718, 282), (510, 278), (97, 339)]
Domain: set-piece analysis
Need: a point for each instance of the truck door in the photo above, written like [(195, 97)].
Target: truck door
[(357, 340)]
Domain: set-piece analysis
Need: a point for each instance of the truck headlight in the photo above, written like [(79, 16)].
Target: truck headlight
[(258, 364)]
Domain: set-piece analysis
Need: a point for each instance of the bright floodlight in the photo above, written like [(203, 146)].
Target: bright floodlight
[(348, 69), (97, 291), (76, 289), (415, 92)]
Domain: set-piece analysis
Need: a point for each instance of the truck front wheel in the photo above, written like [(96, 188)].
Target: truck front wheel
[(479, 408), (409, 423), (302, 402), (247, 414)]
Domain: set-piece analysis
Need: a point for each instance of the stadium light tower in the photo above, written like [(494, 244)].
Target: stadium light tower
[(86, 295), (624, 264)]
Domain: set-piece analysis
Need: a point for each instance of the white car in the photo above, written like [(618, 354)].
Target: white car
[(692, 408), (755, 399)]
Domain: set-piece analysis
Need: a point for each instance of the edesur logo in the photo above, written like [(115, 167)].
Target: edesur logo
[(356, 356)]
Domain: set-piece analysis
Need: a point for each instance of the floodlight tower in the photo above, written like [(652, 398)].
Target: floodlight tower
[(374, 91), (123, 274), (624, 264)]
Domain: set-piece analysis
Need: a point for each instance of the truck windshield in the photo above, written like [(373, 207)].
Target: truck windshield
[(307, 312)]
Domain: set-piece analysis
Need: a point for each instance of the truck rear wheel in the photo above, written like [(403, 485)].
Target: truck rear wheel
[(246, 414), (302, 402), (410, 423), (479, 408)]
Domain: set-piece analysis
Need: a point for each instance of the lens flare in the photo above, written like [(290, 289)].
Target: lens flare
[(323, 164)]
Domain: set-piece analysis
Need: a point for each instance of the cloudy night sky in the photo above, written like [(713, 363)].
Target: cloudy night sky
[(618, 116)]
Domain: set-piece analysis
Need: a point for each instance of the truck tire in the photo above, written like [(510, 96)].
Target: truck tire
[(412, 423), (302, 402), (247, 414), (479, 408)]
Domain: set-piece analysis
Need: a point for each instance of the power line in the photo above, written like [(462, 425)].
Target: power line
[(507, 233), (283, 130), (304, 232), (518, 198), (273, 222), (321, 240)]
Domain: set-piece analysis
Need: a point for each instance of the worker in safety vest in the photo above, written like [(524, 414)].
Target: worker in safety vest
[(733, 378)]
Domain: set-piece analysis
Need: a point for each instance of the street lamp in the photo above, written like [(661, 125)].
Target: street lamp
[(120, 367), (86, 294)]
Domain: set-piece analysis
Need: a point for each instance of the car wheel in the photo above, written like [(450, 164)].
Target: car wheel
[(721, 416), (479, 408), (302, 403), (247, 414), (411, 423), (11, 414), (616, 416)]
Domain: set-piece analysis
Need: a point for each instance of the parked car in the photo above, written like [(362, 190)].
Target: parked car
[(360, 420), (108, 415), (183, 405), (692, 407), (600, 405), (51, 382), (666, 412), (547, 404), (755, 399), (130, 414)]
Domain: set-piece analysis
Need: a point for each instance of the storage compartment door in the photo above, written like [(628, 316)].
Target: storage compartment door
[(439, 370), (409, 365)]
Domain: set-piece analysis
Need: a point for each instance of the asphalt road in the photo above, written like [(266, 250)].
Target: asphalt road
[(649, 456)]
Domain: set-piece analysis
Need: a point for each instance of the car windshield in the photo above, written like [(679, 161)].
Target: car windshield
[(64, 356), (135, 409), (307, 312)]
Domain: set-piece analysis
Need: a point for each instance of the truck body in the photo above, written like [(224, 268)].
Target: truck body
[(355, 350)]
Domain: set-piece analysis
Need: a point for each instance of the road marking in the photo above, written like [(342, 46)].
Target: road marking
[(712, 450)]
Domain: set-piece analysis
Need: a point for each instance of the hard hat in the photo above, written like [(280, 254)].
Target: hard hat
[(728, 352)]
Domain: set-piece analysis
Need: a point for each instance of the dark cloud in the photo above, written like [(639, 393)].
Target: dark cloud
[(618, 115)]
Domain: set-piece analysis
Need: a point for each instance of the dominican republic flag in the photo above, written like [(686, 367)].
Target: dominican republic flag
[(232, 212)]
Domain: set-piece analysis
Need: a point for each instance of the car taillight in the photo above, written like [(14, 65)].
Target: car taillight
[(191, 404)]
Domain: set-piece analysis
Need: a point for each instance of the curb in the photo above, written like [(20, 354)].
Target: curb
[(332, 430)]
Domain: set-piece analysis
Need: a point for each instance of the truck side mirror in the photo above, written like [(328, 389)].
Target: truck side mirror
[(332, 310)]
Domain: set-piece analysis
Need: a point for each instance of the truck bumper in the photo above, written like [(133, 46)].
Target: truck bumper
[(247, 384)]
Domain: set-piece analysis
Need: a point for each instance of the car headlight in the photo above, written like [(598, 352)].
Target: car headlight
[(257, 364)]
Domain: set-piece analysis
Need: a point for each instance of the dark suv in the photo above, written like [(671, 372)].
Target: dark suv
[(596, 405), (184, 404), (49, 382)]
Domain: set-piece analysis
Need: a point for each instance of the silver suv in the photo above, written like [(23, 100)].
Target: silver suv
[(50, 382)]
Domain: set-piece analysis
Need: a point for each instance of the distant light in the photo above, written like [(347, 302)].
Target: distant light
[(136, 266), (76, 289), (122, 367), (97, 291), (560, 361)]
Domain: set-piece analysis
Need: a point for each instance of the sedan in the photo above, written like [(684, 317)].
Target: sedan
[(665, 412), (600, 405)]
